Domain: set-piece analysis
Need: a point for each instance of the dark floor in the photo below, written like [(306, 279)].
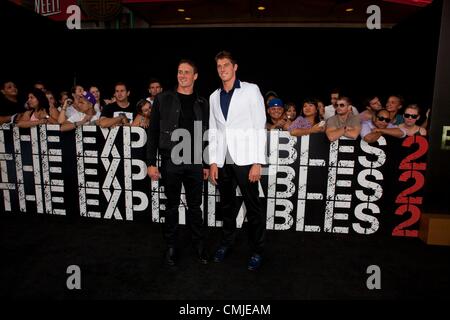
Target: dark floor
[(123, 260)]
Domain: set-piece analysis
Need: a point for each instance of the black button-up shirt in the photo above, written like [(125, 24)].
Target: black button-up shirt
[(225, 97)]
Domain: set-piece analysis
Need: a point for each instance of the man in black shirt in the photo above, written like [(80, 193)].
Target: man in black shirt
[(176, 114), (120, 112), (10, 108)]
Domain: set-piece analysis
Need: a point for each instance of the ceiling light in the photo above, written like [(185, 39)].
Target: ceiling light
[(180, 10), (261, 8), (187, 18), (349, 9)]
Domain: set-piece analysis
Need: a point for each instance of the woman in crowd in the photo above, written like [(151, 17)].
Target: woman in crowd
[(411, 115), (39, 112), (143, 109), (308, 122), (100, 103), (290, 111), (54, 113)]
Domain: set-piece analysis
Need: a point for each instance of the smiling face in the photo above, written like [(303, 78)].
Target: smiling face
[(276, 113), (393, 104), (291, 113), (226, 69), (121, 94), (186, 76), (146, 109), (382, 119), (309, 109)]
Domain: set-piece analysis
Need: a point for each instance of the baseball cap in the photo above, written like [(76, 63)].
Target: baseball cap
[(89, 97), (275, 102)]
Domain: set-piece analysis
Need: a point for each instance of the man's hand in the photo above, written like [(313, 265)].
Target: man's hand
[(255, 173), (153, 173), (205, 174), (213, 173), (377, 130)]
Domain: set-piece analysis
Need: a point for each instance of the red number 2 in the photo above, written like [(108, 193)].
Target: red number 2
[(419, 182), (423, 148), (415, 216)]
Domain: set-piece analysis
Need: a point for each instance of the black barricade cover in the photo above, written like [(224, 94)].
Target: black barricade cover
[(309, 184)]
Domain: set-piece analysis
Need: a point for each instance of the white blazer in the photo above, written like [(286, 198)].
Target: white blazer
[(243, 133)]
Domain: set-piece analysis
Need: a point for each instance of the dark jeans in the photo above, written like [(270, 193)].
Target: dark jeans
[(191, 176), (231, 176)]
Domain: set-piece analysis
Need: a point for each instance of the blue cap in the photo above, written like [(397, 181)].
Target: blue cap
[(275, 102)]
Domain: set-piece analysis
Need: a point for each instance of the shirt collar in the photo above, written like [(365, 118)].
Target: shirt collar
[(237, 84)]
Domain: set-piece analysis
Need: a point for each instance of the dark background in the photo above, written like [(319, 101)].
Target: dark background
[(295, 62)]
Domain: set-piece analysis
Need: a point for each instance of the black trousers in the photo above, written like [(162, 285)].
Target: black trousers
[(191, 176), (231, 176)]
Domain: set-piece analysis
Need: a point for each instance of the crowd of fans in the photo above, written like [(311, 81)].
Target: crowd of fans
[(338, 119), (76, 108), (342, 119)]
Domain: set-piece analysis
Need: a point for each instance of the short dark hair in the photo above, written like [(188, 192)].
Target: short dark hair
[(399, 97), (314, 103), (154, 80), (39, 82), (74, 88), (370, 98), (3, 83), (270, 94), (413, 106), (225, 55), (189, 62), (120, 83), (336, 90), (379, 111), (346, 99)]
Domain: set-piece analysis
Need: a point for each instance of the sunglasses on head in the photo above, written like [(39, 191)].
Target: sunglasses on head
[(413, 116), (380, 118)]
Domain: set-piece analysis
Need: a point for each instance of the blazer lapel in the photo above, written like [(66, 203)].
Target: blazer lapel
[(233, 106), (218, 110)]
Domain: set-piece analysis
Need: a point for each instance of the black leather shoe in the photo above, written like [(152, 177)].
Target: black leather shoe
[(202, 257), (254, 263), (220, 254), (170, 257)]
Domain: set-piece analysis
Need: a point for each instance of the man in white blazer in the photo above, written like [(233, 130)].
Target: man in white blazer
[(237, 144)]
